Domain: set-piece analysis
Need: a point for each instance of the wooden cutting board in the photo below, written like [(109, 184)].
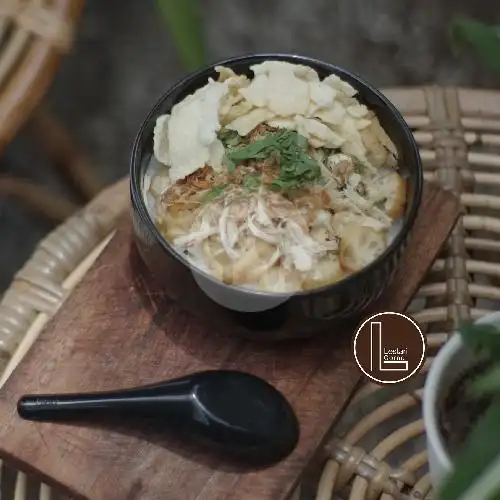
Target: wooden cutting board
[(105, 338)]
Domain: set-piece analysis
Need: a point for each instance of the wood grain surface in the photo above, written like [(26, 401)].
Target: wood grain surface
[(106, 336)]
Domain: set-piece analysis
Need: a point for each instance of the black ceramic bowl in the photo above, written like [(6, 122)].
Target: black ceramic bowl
[(305, 313)]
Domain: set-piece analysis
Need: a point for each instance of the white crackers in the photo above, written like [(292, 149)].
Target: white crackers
[(282, 95), (186, 139)]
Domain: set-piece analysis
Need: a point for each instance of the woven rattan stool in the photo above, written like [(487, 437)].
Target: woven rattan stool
[(377, 450), (34, 34)]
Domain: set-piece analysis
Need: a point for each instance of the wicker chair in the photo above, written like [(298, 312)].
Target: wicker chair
[(34, 34), (377, 450)]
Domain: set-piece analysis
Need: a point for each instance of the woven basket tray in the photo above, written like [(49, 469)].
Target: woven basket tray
[(378, 446)]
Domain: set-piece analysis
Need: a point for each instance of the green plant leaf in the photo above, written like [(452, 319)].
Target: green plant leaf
[(483, 339), (489, 383), (184, 21), (484, 40), (480, 451)]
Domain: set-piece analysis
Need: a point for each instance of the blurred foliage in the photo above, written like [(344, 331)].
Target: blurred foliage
[(483, 39), (476, 471), (476, 474), (183, 18)]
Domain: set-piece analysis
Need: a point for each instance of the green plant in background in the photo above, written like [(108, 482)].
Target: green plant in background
[(183, 18), (476, 474), (483, 39)]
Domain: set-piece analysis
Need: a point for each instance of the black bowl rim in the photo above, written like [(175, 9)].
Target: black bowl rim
[(139, 205)]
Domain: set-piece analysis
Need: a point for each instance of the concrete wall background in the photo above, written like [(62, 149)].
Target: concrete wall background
[(123, 60)]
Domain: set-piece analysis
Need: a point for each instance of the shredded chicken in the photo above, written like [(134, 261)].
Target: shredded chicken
[(249, 234)]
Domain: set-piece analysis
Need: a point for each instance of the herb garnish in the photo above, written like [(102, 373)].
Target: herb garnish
[(251, 182), (359, 166), (229, 138), (297, 167), (215, 192)]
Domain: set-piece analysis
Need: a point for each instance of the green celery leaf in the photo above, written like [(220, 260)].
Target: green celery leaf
[(214, 193), (258, 150), (229, 138), (251, 182), (359, 166), (296, 165)]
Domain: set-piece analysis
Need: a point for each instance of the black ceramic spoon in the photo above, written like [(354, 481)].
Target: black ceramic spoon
[(239, 413)]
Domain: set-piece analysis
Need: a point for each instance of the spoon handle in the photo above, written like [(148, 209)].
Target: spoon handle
[(47, 407), (159, 400)]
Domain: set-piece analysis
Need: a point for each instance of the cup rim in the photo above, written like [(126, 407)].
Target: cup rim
[(139, 205), (432, 393)]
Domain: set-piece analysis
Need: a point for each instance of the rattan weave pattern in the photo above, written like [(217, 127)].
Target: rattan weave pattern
[(33, 36), (40, 20), (377, 451)]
